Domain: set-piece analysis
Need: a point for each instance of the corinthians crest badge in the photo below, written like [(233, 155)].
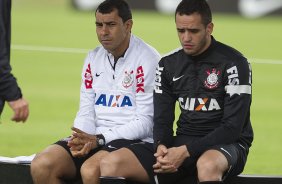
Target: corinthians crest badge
[(212, 80), (128, 79)]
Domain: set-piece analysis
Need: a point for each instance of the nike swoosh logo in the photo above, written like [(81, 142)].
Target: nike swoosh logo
[(226, 151), (112, 147), (97, 75), (177, 78), (257, 8)]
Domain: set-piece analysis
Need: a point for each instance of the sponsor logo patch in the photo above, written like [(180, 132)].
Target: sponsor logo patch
[(88, 79), (140, 80), (233, 77), (158, 80), (198, 104), (113, 100)]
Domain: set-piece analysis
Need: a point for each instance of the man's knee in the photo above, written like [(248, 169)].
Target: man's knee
[(207, 170), (41, 166), (53, 163), (211, 166), (110, 164), (90, 169)]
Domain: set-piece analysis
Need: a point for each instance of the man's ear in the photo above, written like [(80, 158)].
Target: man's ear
[(210, 28), (129, 24)]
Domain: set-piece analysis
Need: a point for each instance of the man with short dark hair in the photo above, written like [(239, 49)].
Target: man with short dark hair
[(212, 84), (116, 101)]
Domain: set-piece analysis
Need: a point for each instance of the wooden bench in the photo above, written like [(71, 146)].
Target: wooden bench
[(20, 174), (245, 179)]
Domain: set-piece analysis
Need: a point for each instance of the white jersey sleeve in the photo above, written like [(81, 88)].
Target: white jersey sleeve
[(85, 118)]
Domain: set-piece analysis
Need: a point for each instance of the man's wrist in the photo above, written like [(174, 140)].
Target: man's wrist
[(156, 145), (186, 153), (100, 140)]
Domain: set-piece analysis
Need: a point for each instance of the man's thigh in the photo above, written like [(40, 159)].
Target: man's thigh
[(139, 152), (236, 157), (94, 160), (92, 157), (144, 153), (127, 165), (77, 161)]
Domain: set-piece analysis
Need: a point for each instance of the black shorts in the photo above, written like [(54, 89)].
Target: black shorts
[(236, 155), (111, 146)]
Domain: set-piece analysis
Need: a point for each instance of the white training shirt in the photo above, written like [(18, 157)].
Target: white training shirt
[(118, 103)]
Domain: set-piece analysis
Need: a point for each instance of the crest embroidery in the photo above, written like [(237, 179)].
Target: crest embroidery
[(128, 79), (212, 80)]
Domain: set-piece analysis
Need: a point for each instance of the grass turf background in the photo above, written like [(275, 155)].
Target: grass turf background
[(50, 80)]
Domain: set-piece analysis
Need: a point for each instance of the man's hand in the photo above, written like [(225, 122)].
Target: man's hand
[(21, 110), (161, 151), (162, 164), (177, 155), (81, 143), (171, 158), (82, 152)]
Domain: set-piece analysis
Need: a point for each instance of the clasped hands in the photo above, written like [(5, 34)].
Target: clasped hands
[(168, 160), (81, 143)]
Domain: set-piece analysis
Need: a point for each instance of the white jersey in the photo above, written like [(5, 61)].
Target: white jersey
[(118, 101)]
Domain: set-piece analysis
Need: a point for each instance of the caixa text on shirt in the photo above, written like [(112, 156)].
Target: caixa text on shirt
[(113, 100), (198, 104)]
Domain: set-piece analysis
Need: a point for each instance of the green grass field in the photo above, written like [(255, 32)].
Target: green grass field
[(50, 76)]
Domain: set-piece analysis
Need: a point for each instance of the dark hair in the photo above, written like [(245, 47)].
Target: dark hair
[(122, 7), (188, 7)]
